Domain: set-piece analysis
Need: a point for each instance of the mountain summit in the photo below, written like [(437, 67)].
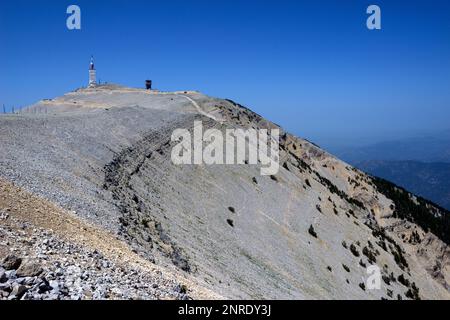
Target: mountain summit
[(89, 175)]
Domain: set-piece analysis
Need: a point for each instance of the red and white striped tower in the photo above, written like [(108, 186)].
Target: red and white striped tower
[(92, 80)]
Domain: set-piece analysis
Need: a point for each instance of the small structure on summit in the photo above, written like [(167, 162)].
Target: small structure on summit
[(92, 80), (148, 84)]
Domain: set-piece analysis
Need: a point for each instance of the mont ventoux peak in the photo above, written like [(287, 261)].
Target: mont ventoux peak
[(90, 173)]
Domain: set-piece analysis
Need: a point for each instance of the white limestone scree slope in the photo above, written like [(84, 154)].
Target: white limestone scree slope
[(308, 232)]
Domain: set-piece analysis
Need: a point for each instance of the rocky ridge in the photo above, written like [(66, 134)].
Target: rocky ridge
[(309, 231)]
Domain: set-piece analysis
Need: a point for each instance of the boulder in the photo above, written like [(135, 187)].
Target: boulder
[(5, 287), (3, 277), (11, 275), (27, 281), (44, 286), (55, 286), (3, 215), (18, 290), (11, 262), (29, 268)]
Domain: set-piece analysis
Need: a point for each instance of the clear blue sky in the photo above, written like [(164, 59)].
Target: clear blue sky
[(311, 66)]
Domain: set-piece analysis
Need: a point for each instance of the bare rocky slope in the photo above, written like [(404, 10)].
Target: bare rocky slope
[(88, 184)]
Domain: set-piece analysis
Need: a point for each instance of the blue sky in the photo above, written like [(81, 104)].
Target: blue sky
[(311, 66)]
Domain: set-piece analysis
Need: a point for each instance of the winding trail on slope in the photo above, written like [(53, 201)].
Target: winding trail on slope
[(198, 108)]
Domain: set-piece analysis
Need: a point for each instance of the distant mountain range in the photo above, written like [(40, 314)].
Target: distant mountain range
[(420, 164), (429, 180), (434, 148)]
